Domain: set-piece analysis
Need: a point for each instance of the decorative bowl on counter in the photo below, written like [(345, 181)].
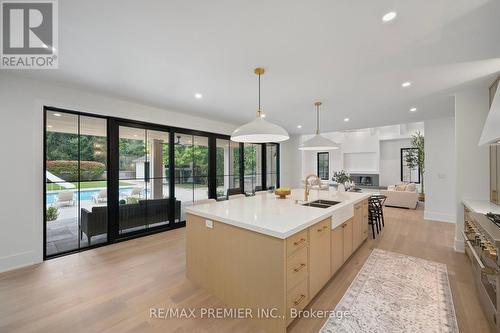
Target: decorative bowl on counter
[(281, 193)]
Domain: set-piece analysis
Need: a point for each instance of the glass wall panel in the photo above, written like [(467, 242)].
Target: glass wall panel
[(271, 165), (252, 155), (228, 166), (323, 165), (76, 181), (191, 169), (157, 210), (144, 185)]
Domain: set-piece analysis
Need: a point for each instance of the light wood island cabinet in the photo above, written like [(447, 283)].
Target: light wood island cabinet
[(319, 256), (252, 270)]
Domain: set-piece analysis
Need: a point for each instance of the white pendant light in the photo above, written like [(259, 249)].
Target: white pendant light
[(318, 142), (259, 130)]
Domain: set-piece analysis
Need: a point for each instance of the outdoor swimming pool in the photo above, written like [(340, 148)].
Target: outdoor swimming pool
[(85, 194)]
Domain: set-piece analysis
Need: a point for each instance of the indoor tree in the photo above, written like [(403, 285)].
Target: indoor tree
[(416, 159)]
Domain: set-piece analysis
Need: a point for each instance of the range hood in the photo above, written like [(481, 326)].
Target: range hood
[(491, 129)]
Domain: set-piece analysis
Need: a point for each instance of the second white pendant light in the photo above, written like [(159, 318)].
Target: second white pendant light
[(318, 142), (259, 130)]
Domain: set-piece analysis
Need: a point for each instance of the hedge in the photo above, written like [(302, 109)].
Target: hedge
[(68, 170)]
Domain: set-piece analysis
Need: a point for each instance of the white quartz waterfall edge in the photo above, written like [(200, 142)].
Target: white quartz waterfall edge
[(396, 293)]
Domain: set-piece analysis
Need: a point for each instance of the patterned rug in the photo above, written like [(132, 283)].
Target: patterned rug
[(396, 293)]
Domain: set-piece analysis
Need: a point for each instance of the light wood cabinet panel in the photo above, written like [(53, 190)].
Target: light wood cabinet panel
[(364, 222), (297, 298), (348, 239), (357, 233), (337, 248), (319, 256), (296, 242), (296, 268)]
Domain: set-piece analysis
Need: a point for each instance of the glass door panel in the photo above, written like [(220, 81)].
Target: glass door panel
[(76, 181), (227, 166), (133, 189), (144, 200), (157, 205), (191, 170), (252, 154)]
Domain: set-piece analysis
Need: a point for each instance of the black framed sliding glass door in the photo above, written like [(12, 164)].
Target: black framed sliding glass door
[(143, 174), (75, 182), (108, 179)]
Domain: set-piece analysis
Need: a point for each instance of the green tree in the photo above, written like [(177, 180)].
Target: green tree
[(416, 157)]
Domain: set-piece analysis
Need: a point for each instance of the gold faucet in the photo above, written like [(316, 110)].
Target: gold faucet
[(306, 186)]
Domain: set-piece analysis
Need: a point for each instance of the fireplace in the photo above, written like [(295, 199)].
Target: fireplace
[(365, 179)]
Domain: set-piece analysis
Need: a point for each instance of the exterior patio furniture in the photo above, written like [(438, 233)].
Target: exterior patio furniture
[(145, 212), (65, 198), (101, 197), (136, 192)]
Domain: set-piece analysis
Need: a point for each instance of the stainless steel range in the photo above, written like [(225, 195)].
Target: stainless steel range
[(482, 243)]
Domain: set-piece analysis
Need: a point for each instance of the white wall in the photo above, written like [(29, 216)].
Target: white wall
[(360, 151), (472, 161), (440, 194), (390, 161), (290, 163), (21, 147)]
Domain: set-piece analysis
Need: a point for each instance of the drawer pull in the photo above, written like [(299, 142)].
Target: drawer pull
[(298, 269), (297, 243), (323, 228), (299, 300)]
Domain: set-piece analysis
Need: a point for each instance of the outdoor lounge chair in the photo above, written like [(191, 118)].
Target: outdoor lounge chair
[(136, 192), (101, 197), (65, 199), (143, 213)]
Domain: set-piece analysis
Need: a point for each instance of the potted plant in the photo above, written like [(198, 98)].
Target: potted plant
[(52, 213), (416, 158), (341, 178)]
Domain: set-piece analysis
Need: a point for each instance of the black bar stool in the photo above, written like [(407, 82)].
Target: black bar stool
[(376, 212), (381, 198)]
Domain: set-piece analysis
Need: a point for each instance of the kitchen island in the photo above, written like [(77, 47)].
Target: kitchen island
[(269, 255)]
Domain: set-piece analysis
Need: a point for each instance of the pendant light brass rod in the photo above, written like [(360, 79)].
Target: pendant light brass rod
[(259, 71), (317, 104)]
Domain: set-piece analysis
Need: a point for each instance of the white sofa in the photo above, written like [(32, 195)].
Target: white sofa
[(401, 198)]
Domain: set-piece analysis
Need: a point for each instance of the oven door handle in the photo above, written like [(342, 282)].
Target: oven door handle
[(473, 251)]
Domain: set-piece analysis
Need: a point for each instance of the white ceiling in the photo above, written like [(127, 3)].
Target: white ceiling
[(162, 52)]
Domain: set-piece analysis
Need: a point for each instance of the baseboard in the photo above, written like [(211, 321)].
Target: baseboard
[(17, 260), (434, 216), (459, 245)]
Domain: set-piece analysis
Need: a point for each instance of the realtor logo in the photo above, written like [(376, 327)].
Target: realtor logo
[(29, 34)]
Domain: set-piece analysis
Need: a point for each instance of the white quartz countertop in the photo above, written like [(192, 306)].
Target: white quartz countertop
[(280, 218), (481, 206)]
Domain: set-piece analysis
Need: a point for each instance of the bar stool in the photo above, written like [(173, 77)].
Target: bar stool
[(376, 212), (381, 200), (373, 215)]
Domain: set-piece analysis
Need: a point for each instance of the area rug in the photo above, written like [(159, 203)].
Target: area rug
[(396, 293)]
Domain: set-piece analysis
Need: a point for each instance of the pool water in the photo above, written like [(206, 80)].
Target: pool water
[(86, 194)]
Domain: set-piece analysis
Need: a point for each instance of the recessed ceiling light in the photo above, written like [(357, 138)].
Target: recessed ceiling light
[(198, 96), (299, 126), (49, 126), (57, 114), (406, 84), (389, 16), (346, 119), (413, 109)]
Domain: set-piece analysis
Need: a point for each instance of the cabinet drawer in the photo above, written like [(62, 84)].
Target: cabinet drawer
[(296, 242), (297, 268), (297, 298)]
